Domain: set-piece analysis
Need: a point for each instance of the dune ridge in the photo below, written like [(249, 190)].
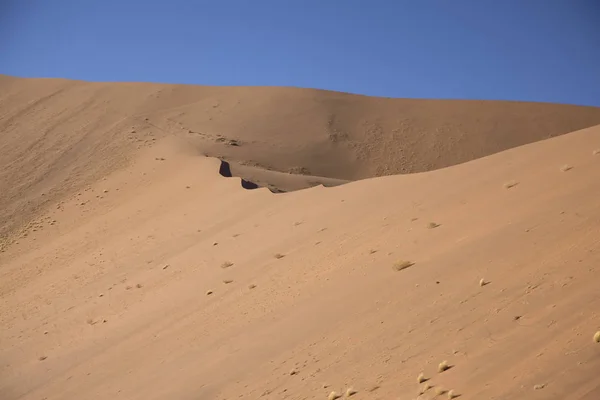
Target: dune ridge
[(59, 135)]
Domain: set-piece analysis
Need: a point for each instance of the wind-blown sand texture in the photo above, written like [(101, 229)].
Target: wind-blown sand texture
[(132, 269)]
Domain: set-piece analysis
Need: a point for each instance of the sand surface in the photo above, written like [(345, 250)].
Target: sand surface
[(131, 269)]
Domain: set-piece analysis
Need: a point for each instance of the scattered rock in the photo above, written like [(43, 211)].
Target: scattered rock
[(166, 266), (209, 292), (279, 256), (566, 168), (226, 264), (252, 286), (597, 337), (293, 372), (539, 387), (42, 358), (402, 265), (333, 396), (139, 286), (227, 281), (432, 225), (444, 366)]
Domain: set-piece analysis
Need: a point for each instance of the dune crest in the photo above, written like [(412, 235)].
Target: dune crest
[(59, 136)]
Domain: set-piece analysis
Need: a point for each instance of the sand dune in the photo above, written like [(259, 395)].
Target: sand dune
[(156, 277), (60, 135)]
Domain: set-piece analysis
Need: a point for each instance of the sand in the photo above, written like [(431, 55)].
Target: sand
[(114, 284)]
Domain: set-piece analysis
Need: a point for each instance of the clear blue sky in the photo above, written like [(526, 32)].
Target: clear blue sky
[(539, 50)]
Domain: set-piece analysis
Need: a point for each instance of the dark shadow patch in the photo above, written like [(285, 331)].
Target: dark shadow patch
[(225, 171)]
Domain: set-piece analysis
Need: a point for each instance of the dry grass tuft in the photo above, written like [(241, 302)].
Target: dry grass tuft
[(226, 264), (440, 391), (510, 184), (597, 337), (227, 281), (443, 366), (539, 387), (333, 396), (279, 256), (451, 395), (566, 168), (432, 225), (596, 152), (402, 265), (483, 282), (350, 392), (421, 378), (424, 388), (251, 286)]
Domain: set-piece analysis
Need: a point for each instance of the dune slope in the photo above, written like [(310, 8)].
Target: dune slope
[(59, 136), (166, 280)]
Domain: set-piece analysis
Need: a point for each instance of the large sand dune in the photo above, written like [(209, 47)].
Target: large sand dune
[(145, 274), (59, 135)]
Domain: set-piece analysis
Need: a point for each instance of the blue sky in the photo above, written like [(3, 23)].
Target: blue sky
[(538, 50)]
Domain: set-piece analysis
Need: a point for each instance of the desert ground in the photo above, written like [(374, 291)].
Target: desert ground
[(393, 248)]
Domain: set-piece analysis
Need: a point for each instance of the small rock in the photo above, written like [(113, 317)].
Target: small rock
[(209, 292), (333, 396), (539, 387), (42, 358)]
